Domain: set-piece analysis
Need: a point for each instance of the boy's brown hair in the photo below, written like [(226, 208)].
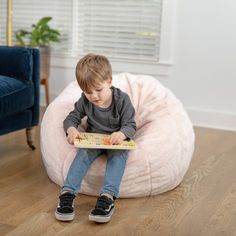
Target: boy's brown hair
[(91, 70)]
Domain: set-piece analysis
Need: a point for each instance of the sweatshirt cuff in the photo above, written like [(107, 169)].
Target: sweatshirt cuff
[(129, 133)]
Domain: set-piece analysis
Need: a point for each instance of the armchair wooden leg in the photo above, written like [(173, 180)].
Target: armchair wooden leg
[(47, 91), (30, 133), (45, 83)]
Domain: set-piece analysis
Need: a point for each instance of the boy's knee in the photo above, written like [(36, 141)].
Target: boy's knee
[(117, 153)]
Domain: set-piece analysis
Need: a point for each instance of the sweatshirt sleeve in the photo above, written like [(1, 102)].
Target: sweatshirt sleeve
[(74, 118), (128, 124)]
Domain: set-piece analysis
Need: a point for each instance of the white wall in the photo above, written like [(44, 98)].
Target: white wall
[(203, 76)]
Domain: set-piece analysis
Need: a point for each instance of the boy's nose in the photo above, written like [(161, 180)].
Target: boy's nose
[(94, 96)]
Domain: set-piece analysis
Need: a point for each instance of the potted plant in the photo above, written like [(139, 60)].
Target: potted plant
[(41, 36)]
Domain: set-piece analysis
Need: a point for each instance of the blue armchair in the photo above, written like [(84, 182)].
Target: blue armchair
[(19, 90)]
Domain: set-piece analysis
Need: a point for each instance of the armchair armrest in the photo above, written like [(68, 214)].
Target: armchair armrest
[(36, 82)]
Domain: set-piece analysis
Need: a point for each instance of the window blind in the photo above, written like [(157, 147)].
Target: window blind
[(125, 29), (3, 21), (28, 12), (120, 28)]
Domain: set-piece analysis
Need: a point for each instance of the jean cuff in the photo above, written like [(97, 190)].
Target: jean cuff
[(63, 189)]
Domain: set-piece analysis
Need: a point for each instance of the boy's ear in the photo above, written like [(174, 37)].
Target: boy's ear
[(110, 82)]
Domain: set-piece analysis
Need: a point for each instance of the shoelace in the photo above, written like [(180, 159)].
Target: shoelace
[(103, 202), (66, 200)]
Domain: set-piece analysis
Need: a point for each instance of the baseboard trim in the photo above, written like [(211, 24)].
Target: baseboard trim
[(212, 119)]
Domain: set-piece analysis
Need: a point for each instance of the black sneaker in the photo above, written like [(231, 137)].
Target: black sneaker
[(103, 210), (65, 208)]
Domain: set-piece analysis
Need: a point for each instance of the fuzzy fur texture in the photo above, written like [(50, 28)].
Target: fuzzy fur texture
[(164, 136)]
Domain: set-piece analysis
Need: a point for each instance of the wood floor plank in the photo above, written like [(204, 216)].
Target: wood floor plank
[(37, 225), (223, 221), (203, 204), (4, 229)]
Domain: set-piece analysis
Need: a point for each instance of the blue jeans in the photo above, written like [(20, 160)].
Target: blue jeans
[(116, 162)]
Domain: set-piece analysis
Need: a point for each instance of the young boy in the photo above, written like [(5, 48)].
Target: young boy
[(108, 111)]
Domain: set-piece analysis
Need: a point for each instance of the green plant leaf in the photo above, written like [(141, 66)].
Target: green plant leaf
[(41, 35), (21, 36)]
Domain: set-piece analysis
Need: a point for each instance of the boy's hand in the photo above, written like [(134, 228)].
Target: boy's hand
[(117, 137), (73, 133)]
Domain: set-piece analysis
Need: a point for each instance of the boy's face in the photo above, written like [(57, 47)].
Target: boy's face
[(101, 95)]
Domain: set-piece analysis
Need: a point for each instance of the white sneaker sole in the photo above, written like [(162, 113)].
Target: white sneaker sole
[(101, 218), (64, 217)]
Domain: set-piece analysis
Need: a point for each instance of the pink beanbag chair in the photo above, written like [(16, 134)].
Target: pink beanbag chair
[(164, 136)]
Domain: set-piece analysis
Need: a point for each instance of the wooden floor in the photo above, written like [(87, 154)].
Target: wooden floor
[(204, 204)]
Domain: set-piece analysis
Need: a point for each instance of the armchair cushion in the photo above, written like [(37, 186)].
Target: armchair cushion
[(15, 95)]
